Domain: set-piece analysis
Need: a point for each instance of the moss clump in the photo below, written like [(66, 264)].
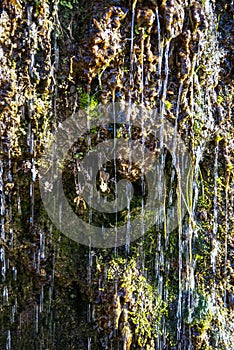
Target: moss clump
[(125, 300)]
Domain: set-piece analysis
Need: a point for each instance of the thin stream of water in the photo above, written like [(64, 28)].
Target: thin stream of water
[(132, 51), (215, 242)]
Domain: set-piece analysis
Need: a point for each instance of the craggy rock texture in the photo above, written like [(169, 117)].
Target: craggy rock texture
[(164, 291)]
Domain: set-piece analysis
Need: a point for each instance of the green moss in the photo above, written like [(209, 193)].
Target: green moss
[(168, 104), (68, 4), (145, 307), (87, 101)]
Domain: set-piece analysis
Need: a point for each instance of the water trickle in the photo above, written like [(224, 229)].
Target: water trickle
[(131, 81), (31, 194), (60, 225), (180, 266), (55, 46), (3, 263), (166, 72), (42, 244), (89, 343), (164, 93), (2, 202), (41, 299), (29, 15), (5, 295), (115, 178), (34, 261), (215, 242), (56, 62), (89, 313), (38, 262), (32, 34), (36, 318), (142, 66), (160, 53), (128, 237), (89, 280), (227, 228), (8, 341), (13, 313), (2, 228), (14, 273), (19, 204)]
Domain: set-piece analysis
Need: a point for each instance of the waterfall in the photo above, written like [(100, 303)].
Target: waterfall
[(153, 288)]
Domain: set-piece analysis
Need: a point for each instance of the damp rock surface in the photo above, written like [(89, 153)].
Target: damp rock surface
[(163, 291)]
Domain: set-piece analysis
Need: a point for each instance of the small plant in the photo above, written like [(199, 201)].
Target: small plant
[(87, 101), (68, 3), (168, 104), (219, 100)]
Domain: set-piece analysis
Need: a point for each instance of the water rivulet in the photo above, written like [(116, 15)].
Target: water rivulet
[(165, 290)]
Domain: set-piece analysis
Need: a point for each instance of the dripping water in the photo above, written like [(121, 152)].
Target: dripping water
[(132, 51), (3, 263), (2, 202), (227, 189), (215, 247), (30, 144), (8, 340), (5, 295), (160, 53), (180, 250), (164, 92), (36, 318), (131, 83), (13, 312), (115, 178), (14, 273), (56, 60), (128, 237), (11, 183), (142, 66), (41, 299)]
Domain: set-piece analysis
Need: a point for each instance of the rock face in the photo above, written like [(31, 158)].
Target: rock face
[(162, 291)]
